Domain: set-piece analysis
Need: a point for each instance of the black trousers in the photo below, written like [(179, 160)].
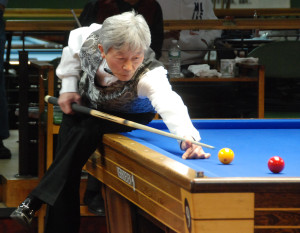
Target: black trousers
[(79, 137)]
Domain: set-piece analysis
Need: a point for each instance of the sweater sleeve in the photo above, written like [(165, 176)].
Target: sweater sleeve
[(69, 67), (155, 86)]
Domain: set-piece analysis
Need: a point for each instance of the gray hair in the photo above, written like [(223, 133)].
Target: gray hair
[(126, 29)]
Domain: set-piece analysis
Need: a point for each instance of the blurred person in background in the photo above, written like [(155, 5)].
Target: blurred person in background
[(193, 43)]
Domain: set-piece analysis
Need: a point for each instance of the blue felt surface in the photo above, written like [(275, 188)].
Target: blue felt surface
[(252, 146)]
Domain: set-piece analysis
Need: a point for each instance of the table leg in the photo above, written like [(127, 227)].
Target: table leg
[(118, 212)]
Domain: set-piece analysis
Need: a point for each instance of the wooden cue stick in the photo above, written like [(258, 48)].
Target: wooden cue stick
[(96, 113)]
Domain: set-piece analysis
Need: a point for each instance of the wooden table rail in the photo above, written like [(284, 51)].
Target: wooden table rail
[(39, 25), (220, 24), (264, 12), (232, 24), (40, 13)]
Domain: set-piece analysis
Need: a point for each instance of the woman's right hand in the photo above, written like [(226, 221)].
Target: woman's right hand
[(66, 99)]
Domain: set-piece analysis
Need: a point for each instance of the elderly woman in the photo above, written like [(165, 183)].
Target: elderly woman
[(121, 77)]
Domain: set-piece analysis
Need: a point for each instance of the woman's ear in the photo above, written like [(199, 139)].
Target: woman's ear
[(101, 50)]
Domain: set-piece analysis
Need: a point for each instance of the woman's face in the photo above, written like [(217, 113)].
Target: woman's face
[(123, 63)]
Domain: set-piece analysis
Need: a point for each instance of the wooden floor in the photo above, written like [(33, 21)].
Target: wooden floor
[(8, 174), (9, 167)]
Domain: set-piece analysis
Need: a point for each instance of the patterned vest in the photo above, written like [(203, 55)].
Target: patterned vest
[(120, 96)]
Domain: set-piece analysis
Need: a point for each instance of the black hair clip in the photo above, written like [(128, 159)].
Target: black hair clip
[(108, 71)]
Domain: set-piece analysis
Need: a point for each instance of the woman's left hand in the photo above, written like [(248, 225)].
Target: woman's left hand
[(193, 151)]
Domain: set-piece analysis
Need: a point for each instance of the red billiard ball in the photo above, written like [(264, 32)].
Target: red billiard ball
[(276, 164)]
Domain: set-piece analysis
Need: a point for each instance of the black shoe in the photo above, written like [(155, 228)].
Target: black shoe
[(4, 152), (24, 213), (96, 206)]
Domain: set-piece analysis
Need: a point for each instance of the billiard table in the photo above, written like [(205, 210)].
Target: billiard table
[(145, 170)]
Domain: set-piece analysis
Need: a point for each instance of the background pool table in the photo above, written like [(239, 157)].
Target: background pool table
[(205, 195), (37, 49)]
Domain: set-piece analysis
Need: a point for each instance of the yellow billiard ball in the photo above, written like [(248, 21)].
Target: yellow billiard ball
[(225, 155)]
